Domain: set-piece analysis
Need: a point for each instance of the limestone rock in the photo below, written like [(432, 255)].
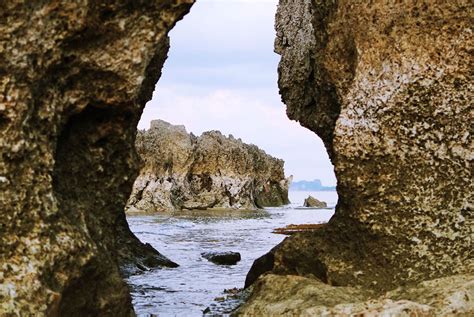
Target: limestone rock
[(74, 78), (260, 266), (314, 203), (392, 104), (388, 87), (182, 171), (291, 295)]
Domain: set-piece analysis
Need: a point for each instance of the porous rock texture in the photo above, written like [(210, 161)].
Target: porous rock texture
[(212, 171), (387, 85), (292, 295), (74, 78)]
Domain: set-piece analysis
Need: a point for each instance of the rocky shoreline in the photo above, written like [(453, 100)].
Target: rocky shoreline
[(181, 171), (386, 85)]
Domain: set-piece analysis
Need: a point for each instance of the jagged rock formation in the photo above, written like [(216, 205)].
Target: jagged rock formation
[(74, 78), (388, 87), (182, 171)]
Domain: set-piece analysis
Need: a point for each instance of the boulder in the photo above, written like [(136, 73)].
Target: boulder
[(222, 258), (314, 203)]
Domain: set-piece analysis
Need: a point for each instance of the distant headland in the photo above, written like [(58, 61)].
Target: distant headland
[(314, 185)]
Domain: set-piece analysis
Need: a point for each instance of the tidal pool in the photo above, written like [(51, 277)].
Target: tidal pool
[(192, 287)]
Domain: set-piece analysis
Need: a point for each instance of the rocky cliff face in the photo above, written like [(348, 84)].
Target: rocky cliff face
[(388, 87), (74, 77), (182, 171)]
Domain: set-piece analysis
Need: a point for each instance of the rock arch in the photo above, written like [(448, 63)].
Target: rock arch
[(386, 86)]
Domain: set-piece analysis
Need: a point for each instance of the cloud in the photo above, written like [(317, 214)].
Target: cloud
[(225, 41), (248, 115), (237, 26), (221, 74)]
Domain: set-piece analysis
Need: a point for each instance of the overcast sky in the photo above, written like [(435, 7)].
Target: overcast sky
[(221, 74)]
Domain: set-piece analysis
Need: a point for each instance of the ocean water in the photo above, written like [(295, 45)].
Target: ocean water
[(192, 287)]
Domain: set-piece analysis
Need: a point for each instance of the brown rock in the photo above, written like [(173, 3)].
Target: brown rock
[(74, 78), (314, 203), (181, 171), (388, 87), (399, 102)]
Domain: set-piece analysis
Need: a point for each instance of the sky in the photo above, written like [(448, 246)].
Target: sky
[(221, 74)]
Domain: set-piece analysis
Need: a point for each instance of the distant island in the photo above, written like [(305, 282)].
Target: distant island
[(314, 185)]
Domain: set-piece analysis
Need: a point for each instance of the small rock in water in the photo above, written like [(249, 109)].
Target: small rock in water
[(223, 258), (313, 202), (232, 291)]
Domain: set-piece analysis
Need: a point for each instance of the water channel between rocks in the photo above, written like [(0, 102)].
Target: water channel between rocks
[(189, 289)]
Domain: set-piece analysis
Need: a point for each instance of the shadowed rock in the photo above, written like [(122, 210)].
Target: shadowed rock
[(260, 266), (74, 78)]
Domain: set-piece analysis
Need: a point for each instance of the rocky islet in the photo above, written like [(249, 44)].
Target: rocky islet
[(182, 171), (312, 202)]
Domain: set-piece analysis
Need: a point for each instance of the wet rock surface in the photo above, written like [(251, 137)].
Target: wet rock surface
[(388, 88), (182, 171), (314, 203), (74, 78), (222, 258)]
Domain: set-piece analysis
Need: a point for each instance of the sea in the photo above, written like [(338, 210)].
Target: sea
[(197, 285)]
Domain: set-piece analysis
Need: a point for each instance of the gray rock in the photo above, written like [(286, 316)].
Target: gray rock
[(222, 258)]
